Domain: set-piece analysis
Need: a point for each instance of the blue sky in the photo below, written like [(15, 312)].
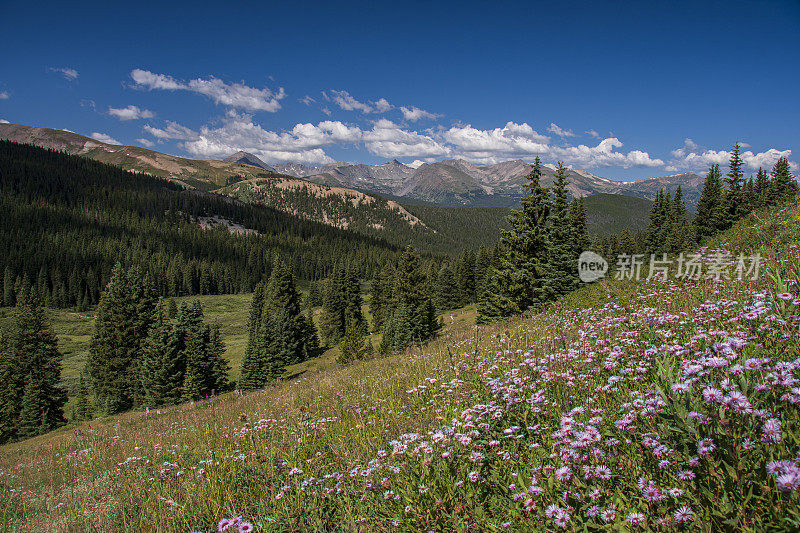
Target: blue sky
[(622, 89)]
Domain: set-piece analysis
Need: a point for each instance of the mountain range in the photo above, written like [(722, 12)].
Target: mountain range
[(448, 182), (459, 182), (391, 200)]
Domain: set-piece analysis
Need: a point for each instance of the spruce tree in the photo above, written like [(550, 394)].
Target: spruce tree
[(163, 361), (465, 272), (562, 266), (217, 380), (447, 293), (334, 306), (517, 281), (411, 297), (8, 287), (381, 296), (31, 400), (283, 336), (124, 315), (762, 188), (707, 222), (784, 184), (83, 404), (353, 343), (579, 223), (733, 207)]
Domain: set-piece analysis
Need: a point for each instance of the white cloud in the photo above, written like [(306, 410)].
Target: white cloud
[(383, 105), (4, 95), (592, 133), (387, 139), (68, 73), (691, 156), (307, 100), (556, 130), (149, 80), (347, 102), (603, 155), (236, 95), (104, 138), (416, 163), (130, 113), (146, 142), (414, 114), (4, 121), (492, 146), (172, 131), (303, 144)]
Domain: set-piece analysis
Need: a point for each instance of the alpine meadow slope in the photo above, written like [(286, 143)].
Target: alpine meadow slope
[(626, 404)]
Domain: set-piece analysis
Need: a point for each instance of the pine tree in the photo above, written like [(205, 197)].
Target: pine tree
[(517, 281), (352, 298), (707, 222), (217, 381), (381, 296), (197, 368), (83, 404), (250, 361), (626, 244), (352, 346), (447, 293), (32, 401), (283, 336), (762, 188), (123, 319), (733, 205), (334, 306), (562, 266), (410, 296), (9, 294), (784, 184), (465, 272), (579, 223), (163, 364)]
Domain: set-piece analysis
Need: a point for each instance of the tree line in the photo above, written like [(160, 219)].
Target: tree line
[(68, 220), (724, 200)]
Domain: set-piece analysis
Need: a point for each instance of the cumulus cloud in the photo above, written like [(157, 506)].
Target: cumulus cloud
[(173, 131), (691, 156), (383, 105), (491, 146), (347, 102), (104, 138), (414, 114), (235, 95), (130, 113), (146, 142), (68, 73), (4, 95), (344, 100), (556, 130), (387, 139), (604, 155), (4, 121), (303, 144)]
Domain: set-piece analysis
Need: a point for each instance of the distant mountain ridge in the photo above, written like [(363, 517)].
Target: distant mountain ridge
[(459, 182), (454, 182)]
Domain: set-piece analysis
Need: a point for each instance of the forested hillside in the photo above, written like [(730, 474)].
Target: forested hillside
[(67, 220)]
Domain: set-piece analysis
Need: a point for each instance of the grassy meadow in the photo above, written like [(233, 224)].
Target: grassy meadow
[(625, 406)]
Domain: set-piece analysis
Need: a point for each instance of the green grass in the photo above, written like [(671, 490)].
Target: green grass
[(458, 434)]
